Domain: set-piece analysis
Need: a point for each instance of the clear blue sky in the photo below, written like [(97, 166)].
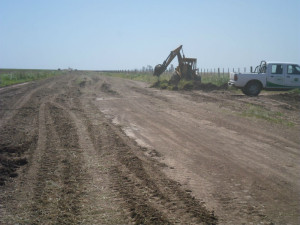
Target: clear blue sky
[(129, 34)]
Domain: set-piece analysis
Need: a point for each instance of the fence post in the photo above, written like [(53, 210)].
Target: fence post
[(251, 69), (218, 71)]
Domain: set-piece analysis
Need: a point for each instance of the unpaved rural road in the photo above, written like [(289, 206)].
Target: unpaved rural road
[(89, 149)]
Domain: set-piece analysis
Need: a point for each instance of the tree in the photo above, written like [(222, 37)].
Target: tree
[(171, 68), (149, 68)]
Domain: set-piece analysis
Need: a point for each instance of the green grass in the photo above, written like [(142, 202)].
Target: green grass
[(10, 77), (294, 91), (215, 79), (185, 84), (81, 80), (264, 114)]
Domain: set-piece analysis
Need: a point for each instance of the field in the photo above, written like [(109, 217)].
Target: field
[(11, 76), (86, 147)]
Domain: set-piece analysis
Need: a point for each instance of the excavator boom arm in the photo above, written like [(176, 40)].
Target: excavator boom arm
[(160, 68)]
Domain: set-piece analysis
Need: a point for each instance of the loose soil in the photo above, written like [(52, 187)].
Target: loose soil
[(88, 149), (189, 85)]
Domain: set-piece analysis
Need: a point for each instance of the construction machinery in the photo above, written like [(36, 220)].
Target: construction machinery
[(186, 69)]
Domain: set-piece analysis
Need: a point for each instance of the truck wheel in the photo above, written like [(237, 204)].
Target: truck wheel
[(253, 88)]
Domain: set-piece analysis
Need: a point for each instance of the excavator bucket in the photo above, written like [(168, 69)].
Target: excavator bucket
[(158, 70)]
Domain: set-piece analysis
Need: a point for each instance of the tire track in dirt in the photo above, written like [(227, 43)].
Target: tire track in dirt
[(18, 130), (247, 165), (71, 176), (44, 171), (106, 149), (148, 194), (24, 95), (99, 210), (47, 184), (58, 189), (99, 205), (84, 169)]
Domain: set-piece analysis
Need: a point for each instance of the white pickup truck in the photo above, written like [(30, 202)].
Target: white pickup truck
[(267, 76)]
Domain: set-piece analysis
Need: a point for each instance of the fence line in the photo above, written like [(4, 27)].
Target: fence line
[(223, 71), (202, 71)]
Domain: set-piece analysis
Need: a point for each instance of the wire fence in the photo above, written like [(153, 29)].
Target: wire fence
[(223, 71)]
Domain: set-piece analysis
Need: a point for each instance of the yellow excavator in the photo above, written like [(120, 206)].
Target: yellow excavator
[(186, 69)]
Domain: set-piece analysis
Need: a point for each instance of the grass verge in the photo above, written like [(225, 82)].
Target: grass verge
[(216, 79), (10, 77), (295, 91), (259, 112)]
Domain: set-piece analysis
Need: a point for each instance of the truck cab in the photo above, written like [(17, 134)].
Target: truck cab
[(267, 76)]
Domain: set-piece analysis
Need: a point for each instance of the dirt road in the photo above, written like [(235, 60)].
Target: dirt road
[(90, 149)]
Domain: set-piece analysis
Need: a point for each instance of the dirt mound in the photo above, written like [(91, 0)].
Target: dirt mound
[(105, 87), (189, 85)]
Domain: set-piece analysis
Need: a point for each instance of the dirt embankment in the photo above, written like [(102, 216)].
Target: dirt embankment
[(64, 162)]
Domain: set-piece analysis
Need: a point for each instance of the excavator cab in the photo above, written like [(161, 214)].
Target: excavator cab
[(188, 68)]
